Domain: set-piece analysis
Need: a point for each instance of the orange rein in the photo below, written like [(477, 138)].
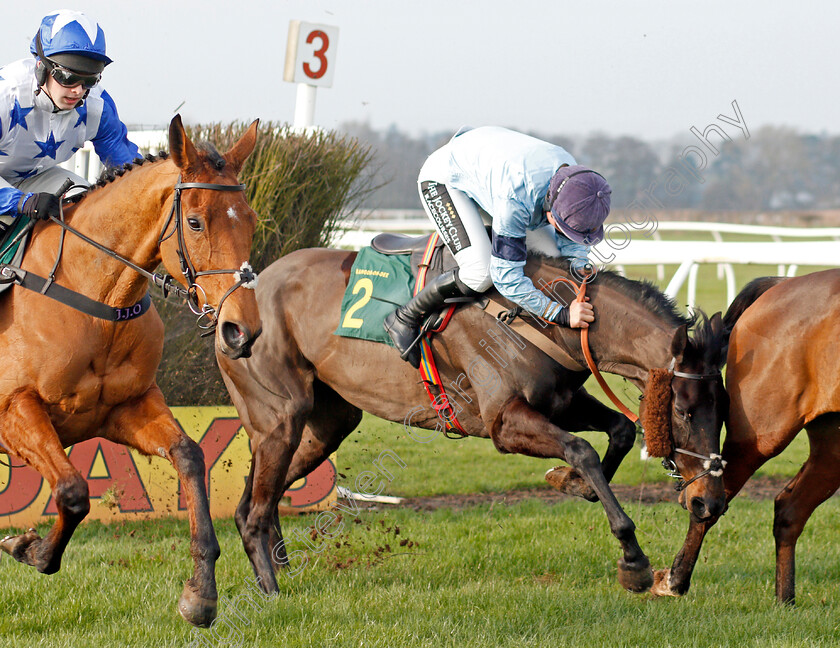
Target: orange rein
[(580, 291)]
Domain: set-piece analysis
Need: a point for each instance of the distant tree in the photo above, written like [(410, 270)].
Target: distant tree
[(629, 165), (397, 159), (775, 169)]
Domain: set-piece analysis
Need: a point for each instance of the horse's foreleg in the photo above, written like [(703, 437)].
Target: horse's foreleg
[(331, 420), (270, 463), (519, 428), (588, 413), (148, 426), (742, 460), (29, 433)]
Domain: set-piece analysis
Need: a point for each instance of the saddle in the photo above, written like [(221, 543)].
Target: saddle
[(404, 244)]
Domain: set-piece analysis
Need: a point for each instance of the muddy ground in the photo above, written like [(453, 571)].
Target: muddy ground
[(757, 488)]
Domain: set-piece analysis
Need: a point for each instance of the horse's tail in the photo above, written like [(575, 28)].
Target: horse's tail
[(752, 291)]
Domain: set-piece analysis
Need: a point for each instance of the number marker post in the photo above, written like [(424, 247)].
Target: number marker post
[(310, 62)]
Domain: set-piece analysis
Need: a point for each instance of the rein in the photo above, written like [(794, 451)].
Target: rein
[(245, 275), (580, 292), (713, 464)]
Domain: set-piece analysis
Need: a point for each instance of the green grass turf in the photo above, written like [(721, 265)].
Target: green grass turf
[(529, 574)]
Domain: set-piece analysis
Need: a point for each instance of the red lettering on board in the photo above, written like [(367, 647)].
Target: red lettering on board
[(319, 484), (213, 443), (121, 475), (22, 488)]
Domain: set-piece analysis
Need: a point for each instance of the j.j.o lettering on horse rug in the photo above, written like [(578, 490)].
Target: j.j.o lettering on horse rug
[(126, 485)]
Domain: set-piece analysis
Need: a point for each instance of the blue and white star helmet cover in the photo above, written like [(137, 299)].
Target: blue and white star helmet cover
[(71, 31)]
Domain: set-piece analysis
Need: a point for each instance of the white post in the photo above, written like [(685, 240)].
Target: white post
[(310, 62), (305, 106)]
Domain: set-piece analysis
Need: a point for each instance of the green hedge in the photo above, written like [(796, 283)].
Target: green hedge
[(299, 185)]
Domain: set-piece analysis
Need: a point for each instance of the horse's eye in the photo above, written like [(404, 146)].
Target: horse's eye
[(196, 224), (681, 413)]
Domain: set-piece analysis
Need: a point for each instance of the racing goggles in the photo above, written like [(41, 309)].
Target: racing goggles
[(70, 79)]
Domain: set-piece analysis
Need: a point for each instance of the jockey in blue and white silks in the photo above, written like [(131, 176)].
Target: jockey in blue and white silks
[(50, 106), (523, 184)]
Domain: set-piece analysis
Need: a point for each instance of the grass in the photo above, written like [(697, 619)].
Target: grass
[(446, 466), (524, 575)]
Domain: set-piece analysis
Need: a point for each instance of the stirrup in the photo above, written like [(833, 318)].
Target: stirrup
[(424, 328)]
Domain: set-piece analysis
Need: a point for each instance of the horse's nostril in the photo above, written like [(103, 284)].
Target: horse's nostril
[(698, 507), (234, 335)]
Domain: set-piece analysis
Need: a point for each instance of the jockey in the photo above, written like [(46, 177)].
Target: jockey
[(523, 184), (50, 105)]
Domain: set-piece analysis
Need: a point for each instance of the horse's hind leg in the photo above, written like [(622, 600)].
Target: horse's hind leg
[(331, 420), (519, 428), (816, 481), (30, 435), (148, 426), (588, 413)]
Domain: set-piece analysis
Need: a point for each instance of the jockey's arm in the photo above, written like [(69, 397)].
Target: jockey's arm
[(111, 141), (512, 283), (9, 198)]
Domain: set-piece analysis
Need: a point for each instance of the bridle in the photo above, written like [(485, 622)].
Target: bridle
[(207, 315), (245, 275), (713, 464)]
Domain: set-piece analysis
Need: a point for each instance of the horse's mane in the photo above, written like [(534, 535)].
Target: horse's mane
[(111, 173), (641, 291), (706, 342)]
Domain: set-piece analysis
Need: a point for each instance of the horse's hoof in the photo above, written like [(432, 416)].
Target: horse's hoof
[(567, 480), (662, 584), (17, 546), (196, 609), (635, 578)]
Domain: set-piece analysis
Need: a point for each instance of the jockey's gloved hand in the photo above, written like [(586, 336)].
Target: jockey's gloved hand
[(41, 206), (558, 314)]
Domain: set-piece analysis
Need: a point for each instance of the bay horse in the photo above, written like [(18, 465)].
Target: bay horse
[(67, 377), (781, 376), (304, 390)]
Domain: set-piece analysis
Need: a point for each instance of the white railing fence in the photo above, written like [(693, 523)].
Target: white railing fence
[(86, 163), (813, 247)]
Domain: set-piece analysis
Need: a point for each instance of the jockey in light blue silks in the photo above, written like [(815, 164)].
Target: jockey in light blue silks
[(524, 184), (50, 105)]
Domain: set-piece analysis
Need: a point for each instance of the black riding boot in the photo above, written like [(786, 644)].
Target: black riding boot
[(403, 325)]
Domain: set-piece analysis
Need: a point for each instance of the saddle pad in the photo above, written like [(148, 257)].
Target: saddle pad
[(14, 254), (378, 284)]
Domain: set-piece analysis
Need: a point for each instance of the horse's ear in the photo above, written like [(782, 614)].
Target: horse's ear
[(679, 343), (719, 331), (182, 150), (240, 151), (716, 322)]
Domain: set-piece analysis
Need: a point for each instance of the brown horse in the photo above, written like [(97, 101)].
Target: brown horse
[(67, 377), (781, 376), (304, 389)]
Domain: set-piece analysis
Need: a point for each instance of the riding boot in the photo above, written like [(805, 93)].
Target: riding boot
[(403, 325)]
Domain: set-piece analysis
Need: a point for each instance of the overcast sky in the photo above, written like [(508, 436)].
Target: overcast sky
[(650, 69)]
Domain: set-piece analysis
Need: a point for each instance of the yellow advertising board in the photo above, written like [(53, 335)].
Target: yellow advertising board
[(125, 485)]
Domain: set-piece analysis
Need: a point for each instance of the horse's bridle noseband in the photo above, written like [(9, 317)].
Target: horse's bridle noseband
[(245, 275)]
